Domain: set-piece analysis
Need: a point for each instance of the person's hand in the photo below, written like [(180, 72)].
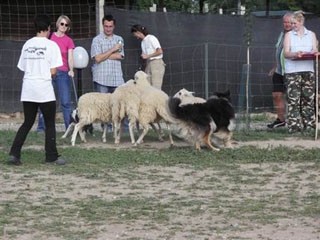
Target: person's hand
[(71, 73), (299, 54), (271, 72), (117, 47), (144, 56)]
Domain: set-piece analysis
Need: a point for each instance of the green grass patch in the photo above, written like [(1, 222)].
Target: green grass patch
[(170, 192)]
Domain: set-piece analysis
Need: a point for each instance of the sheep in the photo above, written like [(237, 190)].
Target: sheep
[(126, 102), (187, 97), (92, 107), (153, 108)]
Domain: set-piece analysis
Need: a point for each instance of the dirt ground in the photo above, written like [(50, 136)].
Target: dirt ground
[(176, 182), (208, 218)]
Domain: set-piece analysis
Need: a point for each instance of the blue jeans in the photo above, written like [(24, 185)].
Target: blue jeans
[(103, 89), (62, 84)]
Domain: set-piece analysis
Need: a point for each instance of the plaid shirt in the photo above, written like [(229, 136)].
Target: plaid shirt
[(108, 72)]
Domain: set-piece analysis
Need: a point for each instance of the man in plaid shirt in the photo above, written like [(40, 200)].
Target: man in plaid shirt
[(107, 53)]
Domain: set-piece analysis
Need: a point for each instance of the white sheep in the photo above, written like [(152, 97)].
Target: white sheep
[(93, 107), (126, 102), (188, 97), (153, 108)]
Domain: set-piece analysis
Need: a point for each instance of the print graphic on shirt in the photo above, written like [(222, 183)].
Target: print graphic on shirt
[(35, 52)]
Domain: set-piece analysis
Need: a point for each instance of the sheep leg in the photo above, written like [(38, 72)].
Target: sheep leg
[(170, 135), (144, 132), (74, 134), (131, 126), (158, 131), (71, 125), (82, 135), (116, 132), (104, 133)]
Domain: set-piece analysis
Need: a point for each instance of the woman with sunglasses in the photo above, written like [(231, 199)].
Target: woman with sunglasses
[(62, 80)]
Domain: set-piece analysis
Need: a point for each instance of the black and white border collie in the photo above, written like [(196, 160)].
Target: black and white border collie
[(202, 121)]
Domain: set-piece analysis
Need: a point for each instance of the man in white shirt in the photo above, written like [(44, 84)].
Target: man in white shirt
[(38, 60)]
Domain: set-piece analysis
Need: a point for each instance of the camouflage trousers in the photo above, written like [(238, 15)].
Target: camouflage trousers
[(300, 97)]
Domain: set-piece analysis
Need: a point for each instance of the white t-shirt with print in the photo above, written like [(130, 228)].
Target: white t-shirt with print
[(38, 56), (149, 45)]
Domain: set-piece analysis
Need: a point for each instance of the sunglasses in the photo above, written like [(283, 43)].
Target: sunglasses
[(64, 24)]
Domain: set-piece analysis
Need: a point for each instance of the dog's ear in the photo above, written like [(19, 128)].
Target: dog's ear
[(227, 94)]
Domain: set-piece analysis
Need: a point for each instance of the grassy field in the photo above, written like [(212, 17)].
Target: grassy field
[(161, 193)]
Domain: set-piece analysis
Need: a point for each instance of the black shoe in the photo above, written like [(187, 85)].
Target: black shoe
[(277, 123), (14, 161), (59, 161)]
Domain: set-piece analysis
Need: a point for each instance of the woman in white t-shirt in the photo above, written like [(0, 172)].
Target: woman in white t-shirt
[(39, 60), (152, 53)]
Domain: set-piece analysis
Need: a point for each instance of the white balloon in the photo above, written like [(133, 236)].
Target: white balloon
[(80, 58)]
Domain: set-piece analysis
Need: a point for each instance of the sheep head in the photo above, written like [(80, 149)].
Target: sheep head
[(129, 82), (141, 78), (183, 93)]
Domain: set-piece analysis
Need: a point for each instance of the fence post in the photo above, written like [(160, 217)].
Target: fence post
[(99, 16), (206, 70)]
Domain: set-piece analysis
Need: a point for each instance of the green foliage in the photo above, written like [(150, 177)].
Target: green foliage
[(231, 5), (144, 4)]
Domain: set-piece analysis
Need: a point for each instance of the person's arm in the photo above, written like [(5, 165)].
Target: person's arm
[(314, 43), (158, 52), (116, 56), (53, 71), (272, 71), (112, 54), (70, 62), (286, 48)]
